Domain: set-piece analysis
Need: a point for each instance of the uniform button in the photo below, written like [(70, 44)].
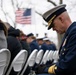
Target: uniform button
[(62, 53), (64, 49), (55, 67)]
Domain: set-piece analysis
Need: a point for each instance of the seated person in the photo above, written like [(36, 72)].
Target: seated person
[(3, 34)]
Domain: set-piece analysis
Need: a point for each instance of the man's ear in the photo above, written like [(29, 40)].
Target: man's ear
[(61, 19)]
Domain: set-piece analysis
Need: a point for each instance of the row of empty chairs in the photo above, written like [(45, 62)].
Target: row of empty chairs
[(49, 56), (39, 57), (21, 62)]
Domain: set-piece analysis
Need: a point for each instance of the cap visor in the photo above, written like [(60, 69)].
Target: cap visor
[(49, 27)]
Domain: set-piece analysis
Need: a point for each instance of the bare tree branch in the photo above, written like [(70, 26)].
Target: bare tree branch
[(13, 5), (3, 10), (61, 1), (14, 13), (38, 13), (52, 2), (20, 4), (17, 5)]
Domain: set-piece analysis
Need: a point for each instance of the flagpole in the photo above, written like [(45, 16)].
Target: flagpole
[(34, 20)]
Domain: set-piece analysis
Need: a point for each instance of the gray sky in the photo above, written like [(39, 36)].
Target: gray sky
[(40, 6)]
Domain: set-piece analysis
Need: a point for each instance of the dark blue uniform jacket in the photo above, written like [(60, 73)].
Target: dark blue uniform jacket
[(34, 45), (66, 64)]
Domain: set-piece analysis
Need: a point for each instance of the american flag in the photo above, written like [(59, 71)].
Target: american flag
[(23, 16)]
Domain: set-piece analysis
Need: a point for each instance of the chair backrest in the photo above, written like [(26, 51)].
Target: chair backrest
[(51, 55), (32, 58), (5, 56), (48, 56), (30, 61), (18, 61), (39, 56), (44, 59), (55, 56)]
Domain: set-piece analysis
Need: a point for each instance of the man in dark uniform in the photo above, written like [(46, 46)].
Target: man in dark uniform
[(13, 44), (42, 44), (31, 40), (3, 35), (50, 44), (58, 19)]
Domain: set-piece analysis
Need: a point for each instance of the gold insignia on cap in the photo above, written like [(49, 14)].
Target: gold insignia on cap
[(50, 21)]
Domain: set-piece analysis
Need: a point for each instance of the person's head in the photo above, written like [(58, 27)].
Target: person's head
[(40, 40), (13, 31), (47, 41), (21, 35), (30, 34), (30, 38), (58, 19)]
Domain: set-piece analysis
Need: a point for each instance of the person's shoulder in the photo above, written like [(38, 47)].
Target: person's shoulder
[(12, 39), (45, 45), (34, 43), (73, 27)]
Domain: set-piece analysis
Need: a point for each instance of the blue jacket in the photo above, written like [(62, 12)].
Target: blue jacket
[(44, 47), (34, 45), (66, 64), (52, 47)]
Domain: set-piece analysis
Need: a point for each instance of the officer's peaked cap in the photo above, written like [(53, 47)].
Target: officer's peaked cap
[(51, 14), (30, 34)]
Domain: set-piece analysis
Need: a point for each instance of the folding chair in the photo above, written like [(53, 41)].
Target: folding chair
[(48, 56), (18, 62), (5, 56), (55, 56), (30, 61), (51, 55), (44, 59), (39, 56)]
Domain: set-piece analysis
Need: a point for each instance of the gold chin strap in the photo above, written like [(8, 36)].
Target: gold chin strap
[(50, 21)]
